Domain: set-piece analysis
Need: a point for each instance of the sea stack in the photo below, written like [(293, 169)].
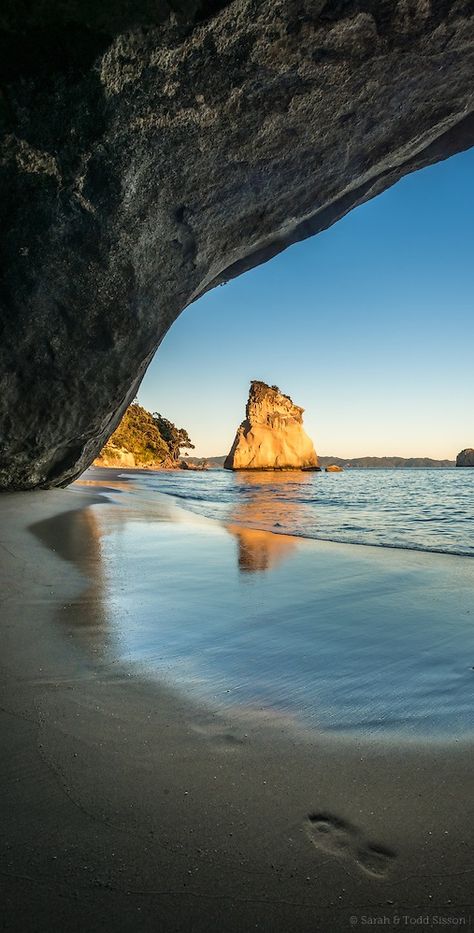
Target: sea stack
[(465, 458), (272, 436)]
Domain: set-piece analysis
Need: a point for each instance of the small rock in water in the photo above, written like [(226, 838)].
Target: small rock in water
[(465, 458)]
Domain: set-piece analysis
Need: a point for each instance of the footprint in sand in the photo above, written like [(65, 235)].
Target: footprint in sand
[(337, 837), (221, 739), (375, 860), (331, 834)]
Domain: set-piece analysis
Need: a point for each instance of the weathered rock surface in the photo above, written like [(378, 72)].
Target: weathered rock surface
[(153, 150), (272, 436), (334, 468), (465, 458), (115, 457)]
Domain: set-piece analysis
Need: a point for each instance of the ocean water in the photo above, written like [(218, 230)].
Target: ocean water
[(368, 640), (425, 510)]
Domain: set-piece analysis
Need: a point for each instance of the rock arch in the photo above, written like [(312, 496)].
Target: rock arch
[(151, 153)]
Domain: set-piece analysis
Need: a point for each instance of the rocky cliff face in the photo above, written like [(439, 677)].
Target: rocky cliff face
[(150, 151), (465, 458), (272, 436), (120, 457)]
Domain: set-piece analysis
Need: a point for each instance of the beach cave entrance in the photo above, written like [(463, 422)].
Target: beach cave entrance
[(168, 155)]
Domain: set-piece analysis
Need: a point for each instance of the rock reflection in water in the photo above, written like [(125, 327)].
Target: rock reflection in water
[(260, 550), (266, 505), (76, 537)]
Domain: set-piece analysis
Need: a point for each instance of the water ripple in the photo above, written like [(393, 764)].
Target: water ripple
[(424, 510)]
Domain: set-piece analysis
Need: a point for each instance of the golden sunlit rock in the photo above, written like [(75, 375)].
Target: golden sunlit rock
[(272, 436)]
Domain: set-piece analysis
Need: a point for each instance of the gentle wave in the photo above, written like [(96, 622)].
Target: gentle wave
[(421, 510)]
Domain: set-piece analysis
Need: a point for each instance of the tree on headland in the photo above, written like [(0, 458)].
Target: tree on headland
[(137, 434), (151, 440), (177, 438)]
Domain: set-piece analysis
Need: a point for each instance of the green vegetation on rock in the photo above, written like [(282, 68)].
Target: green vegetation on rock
[(175, 438), (144, 440)]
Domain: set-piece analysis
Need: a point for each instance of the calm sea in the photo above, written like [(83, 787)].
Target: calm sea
[(426, 510), (367, 640)]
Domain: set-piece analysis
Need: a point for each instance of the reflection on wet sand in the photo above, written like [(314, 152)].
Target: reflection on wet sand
[(343, 638), (260, 550), (267, 505), (76, 537), (95, 542), (105, 485)]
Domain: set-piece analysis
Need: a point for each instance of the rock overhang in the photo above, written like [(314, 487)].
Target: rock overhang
[(199, 140)]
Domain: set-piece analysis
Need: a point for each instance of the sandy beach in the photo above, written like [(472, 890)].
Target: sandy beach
[(132, 802)]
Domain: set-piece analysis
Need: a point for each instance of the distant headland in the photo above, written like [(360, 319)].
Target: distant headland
[(356, 463), (145, 441)]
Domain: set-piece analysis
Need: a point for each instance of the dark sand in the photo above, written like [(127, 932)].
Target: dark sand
[(127, 806)]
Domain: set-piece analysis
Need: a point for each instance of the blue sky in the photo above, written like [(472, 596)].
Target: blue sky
[(369, 326)]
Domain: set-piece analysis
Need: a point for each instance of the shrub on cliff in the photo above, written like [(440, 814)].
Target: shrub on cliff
[(138, 434), (176, 438), (152, 440)]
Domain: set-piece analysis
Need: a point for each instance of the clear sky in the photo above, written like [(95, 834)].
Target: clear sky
[(369, 326)]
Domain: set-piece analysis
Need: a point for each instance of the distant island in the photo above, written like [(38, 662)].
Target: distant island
[(145, 441), (465, 458)]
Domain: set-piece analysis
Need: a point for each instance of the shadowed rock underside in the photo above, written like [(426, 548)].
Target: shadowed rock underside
[(151, 151)]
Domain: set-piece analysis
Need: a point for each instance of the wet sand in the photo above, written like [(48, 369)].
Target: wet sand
[(127, 805)]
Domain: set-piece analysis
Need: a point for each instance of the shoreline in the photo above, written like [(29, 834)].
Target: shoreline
[(270, 528), (127, 806), (372, 568)]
